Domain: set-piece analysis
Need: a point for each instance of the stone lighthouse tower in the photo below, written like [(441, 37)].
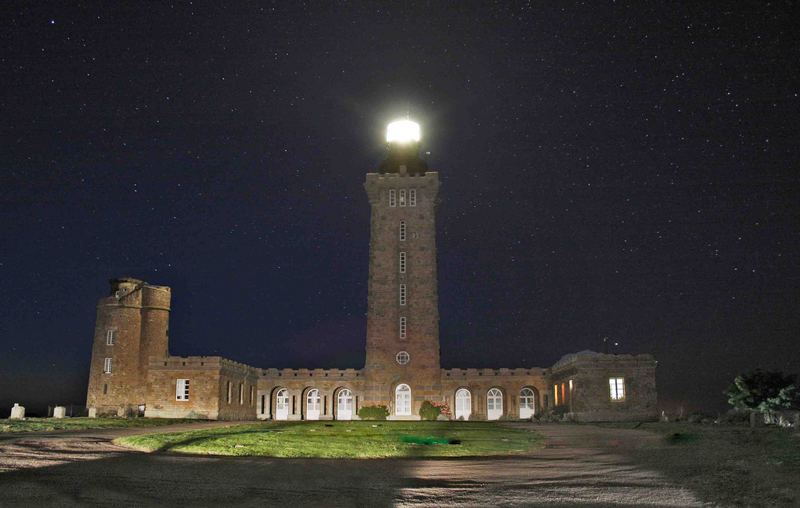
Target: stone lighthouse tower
[(402, 361), (132, 327)]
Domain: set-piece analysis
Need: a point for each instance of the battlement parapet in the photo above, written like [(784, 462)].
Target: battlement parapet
[(504, 372), (310, 373)]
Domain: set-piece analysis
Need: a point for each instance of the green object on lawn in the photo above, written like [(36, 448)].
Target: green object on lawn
[(424, 440)]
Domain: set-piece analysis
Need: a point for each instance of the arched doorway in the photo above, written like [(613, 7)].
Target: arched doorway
[(527, 403), (494, 404), (312, 404), (344, 405), (282, 404), (463, 404), (402, 400)]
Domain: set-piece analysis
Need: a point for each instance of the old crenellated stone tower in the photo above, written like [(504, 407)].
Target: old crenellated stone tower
[(132, 326), (132, 371)]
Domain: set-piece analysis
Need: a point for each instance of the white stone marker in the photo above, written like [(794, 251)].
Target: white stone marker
[(92, 412), (59, 412), (17, 412)]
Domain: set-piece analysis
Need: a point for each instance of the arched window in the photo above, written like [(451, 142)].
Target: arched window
[(527, 403), (463, 404), (344, 405), (494, 404), (402, 400), (312, 404), (282, 404)]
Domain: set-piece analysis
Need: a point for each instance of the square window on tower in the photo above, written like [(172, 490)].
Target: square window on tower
[(402, 197), (392, 198), (412, 197)]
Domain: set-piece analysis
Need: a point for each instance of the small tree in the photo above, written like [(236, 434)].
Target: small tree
[(764, 392)]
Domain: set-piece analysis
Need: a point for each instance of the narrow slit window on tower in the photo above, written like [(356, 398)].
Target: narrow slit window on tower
[(109, 337), (402, 198), (412, 197), (392, 198), (403, 321), (182, 389), (402, 262), (241, 394), (402, 231), (229, 393), (402, 294), (107, 366)]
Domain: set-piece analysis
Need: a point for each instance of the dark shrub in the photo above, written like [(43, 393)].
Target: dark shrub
[(428, 411), (373, 413)]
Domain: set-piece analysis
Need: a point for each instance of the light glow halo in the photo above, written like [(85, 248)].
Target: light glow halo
[(402, 131)]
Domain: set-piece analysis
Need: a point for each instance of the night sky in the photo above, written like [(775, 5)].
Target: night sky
[(620, 170)]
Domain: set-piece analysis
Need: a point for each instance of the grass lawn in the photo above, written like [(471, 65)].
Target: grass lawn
[(729, 465), (50, 424), (357, 439)]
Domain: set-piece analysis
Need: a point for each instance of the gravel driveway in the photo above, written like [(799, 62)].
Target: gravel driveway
[(582, 465)]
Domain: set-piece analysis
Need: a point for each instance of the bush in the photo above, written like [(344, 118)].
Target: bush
[(373, 413), (428, 411)]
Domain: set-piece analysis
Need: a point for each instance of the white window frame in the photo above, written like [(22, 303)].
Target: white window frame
[(313, 405), (403, 294), (282, 404), (403, 326), (392, 198), (463, 407), (107, 366), (241, 394), (401, 197), (527, 403), (402, 231), (344, 404), (182, 390), (402, 358), (402, 400), (110, 337), (412, 197), (402, 262), (494, 404), (616, 386)]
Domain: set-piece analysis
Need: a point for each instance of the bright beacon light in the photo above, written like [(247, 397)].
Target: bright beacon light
[(402, 131)]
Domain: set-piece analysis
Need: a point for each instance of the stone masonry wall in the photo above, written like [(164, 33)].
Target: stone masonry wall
[(590, 397)]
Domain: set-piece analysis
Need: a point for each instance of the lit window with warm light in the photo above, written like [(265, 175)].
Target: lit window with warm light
[(402, 131), (617, 388)]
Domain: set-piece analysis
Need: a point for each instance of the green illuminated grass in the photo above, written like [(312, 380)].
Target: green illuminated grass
[(53, 424), (356, 439)]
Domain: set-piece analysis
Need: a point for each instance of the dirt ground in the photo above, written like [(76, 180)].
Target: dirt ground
[(579, 465)]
